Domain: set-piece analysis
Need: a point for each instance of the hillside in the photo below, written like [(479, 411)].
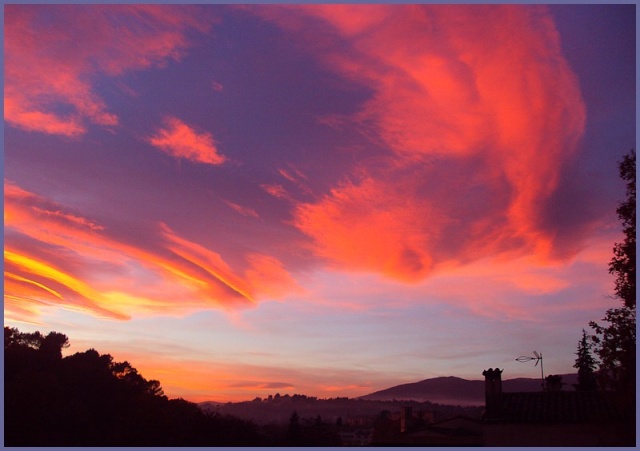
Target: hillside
[(445, 396), (278, 410), (456, 391)]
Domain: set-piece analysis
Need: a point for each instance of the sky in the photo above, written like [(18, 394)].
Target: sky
[(318, 199)]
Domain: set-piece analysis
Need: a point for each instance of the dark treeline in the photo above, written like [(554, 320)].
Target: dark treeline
[(88, 399), (279, 408)]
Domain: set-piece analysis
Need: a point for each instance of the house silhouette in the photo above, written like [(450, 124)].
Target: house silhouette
[(550, 417), (553, 417)]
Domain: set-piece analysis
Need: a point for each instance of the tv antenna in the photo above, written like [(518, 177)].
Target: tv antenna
[(537, 358)]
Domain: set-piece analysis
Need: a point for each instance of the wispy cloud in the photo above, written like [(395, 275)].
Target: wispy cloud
[(244, 211), (54, 54), (105, 273), (262, 385), (476, 134), (182, 141), (277, 191)]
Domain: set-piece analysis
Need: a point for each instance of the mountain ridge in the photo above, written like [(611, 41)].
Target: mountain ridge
[(458, 391), (449, 390)]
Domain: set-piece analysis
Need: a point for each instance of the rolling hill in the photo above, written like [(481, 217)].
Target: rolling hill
[(456, 391)]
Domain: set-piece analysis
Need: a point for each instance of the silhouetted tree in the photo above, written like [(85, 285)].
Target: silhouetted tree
[(615, 341), (87, 399), (623, 263), (319, 433), (51, 344), (586, 365), (293, 432)]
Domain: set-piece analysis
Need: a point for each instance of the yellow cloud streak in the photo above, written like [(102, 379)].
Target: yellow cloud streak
[(42, 269), (32, 282)]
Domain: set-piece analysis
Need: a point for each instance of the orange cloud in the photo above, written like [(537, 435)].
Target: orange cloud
[(344, 388), (101, 273), (53, 53), (373, 226), (475, 98), (202, 265), (181, 141), (268, 273)]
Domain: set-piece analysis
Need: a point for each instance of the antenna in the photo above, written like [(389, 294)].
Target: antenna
[(537, 358)]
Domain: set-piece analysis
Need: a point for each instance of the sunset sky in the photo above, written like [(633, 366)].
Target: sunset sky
[(325, 200)]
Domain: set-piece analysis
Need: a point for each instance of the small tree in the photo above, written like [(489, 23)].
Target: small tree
[(586, 365)]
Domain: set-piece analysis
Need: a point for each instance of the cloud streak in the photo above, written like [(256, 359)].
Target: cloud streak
[(54, 256)]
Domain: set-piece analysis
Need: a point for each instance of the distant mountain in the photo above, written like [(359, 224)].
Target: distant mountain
[(456, 391)]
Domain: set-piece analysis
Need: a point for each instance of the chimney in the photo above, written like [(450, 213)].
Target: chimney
[(553, 382), (493, 393), (406, 418)]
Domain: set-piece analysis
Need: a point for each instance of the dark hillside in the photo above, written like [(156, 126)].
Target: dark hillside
[(456, 391), (278, 410)]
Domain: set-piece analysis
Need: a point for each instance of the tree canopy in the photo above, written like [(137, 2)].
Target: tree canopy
[(623, 263), (615, 339)]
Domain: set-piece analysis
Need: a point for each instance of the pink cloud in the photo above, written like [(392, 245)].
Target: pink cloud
[(244, 211), (182, 141), (477, 94), (54, 52), (218, 87), (276, 191)]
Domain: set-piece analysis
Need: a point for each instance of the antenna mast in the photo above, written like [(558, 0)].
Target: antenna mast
[(537, 358)]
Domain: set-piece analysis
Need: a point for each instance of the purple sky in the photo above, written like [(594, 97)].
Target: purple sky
[(319, 199)]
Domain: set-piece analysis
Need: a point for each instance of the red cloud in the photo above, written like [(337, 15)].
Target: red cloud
[(181, 141), (53, 53), (476, 98), (373, 226)]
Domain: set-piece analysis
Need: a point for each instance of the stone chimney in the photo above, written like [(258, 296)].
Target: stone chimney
[(493, 393), (406, 418), (553, 382)]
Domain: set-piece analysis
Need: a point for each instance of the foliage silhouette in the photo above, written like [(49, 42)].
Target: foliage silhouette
[(87, 399), (615, 340), (293, 432), (586, 365), (623, 263)]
